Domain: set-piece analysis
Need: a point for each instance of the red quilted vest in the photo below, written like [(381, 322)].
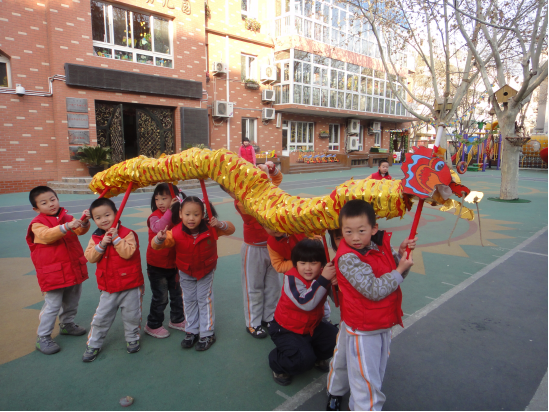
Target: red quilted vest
[(253, 232), (195, 257), (163, 258), (377, 176), (60, 264), (246, 152), (297, 320), (283, 246), (359, 312), (114, 273)]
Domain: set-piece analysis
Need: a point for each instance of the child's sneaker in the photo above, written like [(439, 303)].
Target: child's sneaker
[(90, 354), (179, 326), (257, 332), (334, 403), (323, 365), (159, 333), (205, 343), (133, 347), (282, 378), (47, 345), (71, 329), (189, 341)]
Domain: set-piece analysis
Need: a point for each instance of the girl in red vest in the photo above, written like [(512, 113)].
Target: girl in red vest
[(60, 265), (161, 268), (119, 277), (382, 172), (247, 151), (302, 340), (369, 272), (196, 259)]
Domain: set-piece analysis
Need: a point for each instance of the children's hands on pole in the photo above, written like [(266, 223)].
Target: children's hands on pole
[(161, 235), (107, 240), (411, 243), (174, 201), (75, 224), (112, 232), (329, 271), (85, 216), (214, 222), (405, 263)]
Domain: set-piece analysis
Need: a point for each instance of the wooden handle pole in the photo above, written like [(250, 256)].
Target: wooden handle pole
[(103, 193), (413, 231), (122, 205), (335, 289), (208, 209)]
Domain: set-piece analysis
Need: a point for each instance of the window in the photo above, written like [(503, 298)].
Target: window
[(5, 75), (248, 69), (377, 136), (333, 143), (248, 129), (123, 34), (301, 136), (249, 9)]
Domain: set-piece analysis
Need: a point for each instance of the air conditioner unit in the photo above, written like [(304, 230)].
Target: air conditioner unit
[(268, 74), (353, 126), (222, 109), (268, 96), (268, 114), (352, 143), (219, 68)]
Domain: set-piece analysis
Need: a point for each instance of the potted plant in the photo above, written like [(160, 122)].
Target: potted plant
[(95, 157), (252, 25), (324, 133), (251, 84)]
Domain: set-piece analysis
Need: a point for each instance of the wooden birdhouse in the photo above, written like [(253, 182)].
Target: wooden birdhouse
[(440, 101), (505, 93)]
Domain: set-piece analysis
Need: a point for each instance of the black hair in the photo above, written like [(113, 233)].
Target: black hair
[(103, 202), (333, 233), (245, 140), (383, 161), (164, 189), (176, 208), (358, 207), (37, 191), (309, 250)]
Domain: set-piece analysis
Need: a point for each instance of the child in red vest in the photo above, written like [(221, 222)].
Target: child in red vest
[(247, 151), (302, 340), (119, 277), (60, 265), (161, 268), (382, 172), (369, 272), (196, 259)]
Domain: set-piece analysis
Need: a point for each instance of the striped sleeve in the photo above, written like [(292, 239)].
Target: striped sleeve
[(305, 298)]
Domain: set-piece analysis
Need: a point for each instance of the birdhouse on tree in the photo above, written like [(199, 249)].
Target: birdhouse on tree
[(440, 101), (505, 93)]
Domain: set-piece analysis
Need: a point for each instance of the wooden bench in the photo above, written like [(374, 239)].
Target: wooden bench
[(379, 156)]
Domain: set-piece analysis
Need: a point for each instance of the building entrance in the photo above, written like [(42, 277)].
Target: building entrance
[(131, 130)]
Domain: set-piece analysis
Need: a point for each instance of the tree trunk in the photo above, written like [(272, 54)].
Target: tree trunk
[(509, 158)]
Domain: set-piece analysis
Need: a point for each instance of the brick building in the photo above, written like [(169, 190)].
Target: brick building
[(153, 76)]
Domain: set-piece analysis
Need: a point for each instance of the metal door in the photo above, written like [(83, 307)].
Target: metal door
[(110, 129), (155, 134)]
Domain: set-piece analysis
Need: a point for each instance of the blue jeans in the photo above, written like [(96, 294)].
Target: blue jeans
[(164, 282)]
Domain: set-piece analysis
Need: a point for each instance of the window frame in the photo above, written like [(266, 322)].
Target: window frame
[(6, 60), (377, 139), (334, 145), (250, 67), (156, 56), (251, 11), (246, 122), (309, 127)]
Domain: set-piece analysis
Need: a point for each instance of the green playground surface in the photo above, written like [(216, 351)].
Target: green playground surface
[(234, 374)]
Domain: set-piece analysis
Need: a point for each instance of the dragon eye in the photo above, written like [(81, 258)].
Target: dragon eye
[(439, 166)]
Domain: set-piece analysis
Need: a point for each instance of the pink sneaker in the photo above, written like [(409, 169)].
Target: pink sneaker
[(159, 333), (179, 326)]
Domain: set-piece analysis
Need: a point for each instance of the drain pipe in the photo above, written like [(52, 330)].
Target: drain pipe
[(228, 81)]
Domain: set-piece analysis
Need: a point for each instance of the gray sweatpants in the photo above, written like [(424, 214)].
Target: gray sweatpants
[(198, 303), (261, 285), (62, 302), (129, 301), (359, 364)]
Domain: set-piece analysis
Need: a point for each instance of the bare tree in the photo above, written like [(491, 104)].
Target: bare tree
[(524, 26)]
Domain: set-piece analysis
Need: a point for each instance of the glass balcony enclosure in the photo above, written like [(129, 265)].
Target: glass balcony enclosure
[(313, 80), (331, 23)]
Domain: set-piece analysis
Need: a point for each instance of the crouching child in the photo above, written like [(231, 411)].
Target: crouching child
[(302, 340), (119, 277)]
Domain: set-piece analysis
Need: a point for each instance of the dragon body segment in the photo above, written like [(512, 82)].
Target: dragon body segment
[(270, 205)]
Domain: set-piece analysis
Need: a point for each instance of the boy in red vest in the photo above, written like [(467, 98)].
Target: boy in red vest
[(382, 172), (302, 340), (369, 272), (60, 265), (119, 277), (247, 151)]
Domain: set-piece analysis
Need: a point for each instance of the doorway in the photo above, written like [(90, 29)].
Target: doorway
[(131, 130)]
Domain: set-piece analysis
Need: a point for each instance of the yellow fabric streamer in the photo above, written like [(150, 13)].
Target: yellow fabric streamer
[(462, 211)]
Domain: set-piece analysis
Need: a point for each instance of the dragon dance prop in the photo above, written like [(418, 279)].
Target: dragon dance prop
[(278, 210)]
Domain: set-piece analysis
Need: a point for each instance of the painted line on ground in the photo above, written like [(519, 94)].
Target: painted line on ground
[(480, 263), (539, 401), (448, 284), (320, 383), (283, 395), (532, 253)]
